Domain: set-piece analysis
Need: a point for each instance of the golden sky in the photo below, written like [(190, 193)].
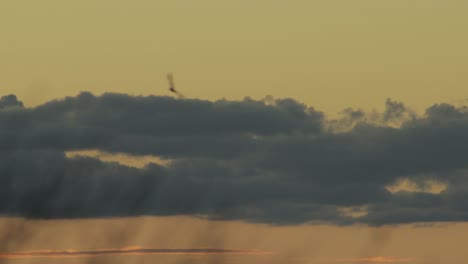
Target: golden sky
[(290, 244), (329, 54)]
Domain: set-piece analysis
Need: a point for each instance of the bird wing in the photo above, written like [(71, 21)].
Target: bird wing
[(170, 79)]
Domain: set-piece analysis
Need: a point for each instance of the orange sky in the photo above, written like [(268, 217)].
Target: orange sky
[(298, 244), (328, 53)]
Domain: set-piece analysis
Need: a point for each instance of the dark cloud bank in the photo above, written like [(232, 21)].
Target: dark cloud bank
[(269, 161)]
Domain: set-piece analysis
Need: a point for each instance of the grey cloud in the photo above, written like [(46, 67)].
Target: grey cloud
[(393, 110), (395, 114), (9, 101), (45, 184), (349, 119), (145, 125), (269, 161)]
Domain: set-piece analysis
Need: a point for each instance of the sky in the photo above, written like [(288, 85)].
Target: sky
[(329, 54), (310, 131)]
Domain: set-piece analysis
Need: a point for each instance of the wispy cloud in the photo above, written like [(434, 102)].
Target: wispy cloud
[(379, 259), (363, 260), (129, 251)]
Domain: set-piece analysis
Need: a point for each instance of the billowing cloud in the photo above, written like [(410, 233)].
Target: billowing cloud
[(9, 101), (269, 161)]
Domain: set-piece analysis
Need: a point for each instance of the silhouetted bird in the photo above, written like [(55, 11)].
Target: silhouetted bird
[(170, 79)]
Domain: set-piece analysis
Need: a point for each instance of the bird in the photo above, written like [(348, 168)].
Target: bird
[(170, 79)]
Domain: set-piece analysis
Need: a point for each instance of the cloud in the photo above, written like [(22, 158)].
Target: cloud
[(154, 125), (9, 101), (375, 260), (273, 161), (127, 251)]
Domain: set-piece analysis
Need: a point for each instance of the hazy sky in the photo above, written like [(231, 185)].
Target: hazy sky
[(287, 177), (330, 54)]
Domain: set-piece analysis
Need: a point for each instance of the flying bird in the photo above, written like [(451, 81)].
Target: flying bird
[(170, 79)]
